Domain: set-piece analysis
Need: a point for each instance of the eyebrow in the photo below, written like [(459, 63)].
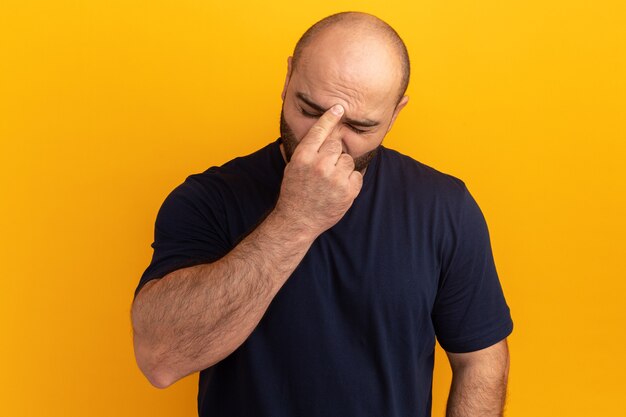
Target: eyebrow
[(353, 122)]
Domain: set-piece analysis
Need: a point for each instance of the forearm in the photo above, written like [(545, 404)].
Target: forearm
[(475, 396), (478, 391), (195, 317)]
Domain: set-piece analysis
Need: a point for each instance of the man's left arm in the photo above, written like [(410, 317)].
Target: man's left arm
[(479, 381)]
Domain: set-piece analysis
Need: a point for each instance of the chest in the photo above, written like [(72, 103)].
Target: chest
[(377, 269)]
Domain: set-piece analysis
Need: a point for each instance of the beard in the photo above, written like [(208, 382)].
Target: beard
[(290, 143)]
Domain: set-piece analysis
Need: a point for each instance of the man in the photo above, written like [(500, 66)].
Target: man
[(311, 277)]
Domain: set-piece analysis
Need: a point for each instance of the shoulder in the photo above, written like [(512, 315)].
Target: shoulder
[(414, 177), (231, 197), (242, 173), (214, 191)]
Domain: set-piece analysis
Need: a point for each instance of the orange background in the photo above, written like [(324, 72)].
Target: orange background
[(106, 106)]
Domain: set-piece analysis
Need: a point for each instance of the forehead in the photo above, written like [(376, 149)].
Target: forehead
[(363, 75)]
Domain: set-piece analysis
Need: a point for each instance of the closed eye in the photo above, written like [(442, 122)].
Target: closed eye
[(311, 115), (317, 116), (356, 130)]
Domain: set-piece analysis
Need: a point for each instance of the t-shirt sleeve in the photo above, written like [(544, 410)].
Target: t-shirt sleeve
[(189, 230), (470, 312)]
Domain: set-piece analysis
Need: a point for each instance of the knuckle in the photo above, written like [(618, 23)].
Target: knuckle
[(347, 160), (320, 170), (333, 146), (301, 158), (338, 182)]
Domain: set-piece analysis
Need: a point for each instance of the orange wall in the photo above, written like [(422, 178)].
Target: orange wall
[(105, 106)]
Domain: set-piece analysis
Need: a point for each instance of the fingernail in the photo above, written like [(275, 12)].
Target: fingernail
[(337, 109)]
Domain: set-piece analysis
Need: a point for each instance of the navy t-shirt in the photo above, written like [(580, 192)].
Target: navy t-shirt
[(352, 331)]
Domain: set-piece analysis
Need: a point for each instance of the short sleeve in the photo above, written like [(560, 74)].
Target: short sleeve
[(470, 312), (189, 230)]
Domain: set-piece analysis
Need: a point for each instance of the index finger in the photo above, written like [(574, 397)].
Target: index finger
[(322, 128)]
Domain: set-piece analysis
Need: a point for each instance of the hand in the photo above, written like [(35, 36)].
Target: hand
[(320, 183)]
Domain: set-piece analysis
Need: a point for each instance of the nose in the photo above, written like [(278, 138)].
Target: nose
[(342, 136)]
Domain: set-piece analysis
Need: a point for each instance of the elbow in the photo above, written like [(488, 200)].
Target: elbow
[(160, 381), (150, 365), (149, 362)]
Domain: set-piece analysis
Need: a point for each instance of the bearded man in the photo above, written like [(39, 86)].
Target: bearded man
[(312, 277)]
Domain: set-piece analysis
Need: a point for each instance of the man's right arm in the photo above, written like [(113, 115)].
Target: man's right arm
[(194, 317)]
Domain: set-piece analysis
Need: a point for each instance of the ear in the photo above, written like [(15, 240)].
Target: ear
[(403, 102), (286, 78)]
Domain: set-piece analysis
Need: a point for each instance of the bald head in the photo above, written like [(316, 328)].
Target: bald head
[(349, 33)]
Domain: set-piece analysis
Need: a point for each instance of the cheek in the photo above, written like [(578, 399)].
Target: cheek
[(301, 126), (357, 145)]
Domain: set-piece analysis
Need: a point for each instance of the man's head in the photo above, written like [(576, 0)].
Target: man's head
[(352, 59)]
